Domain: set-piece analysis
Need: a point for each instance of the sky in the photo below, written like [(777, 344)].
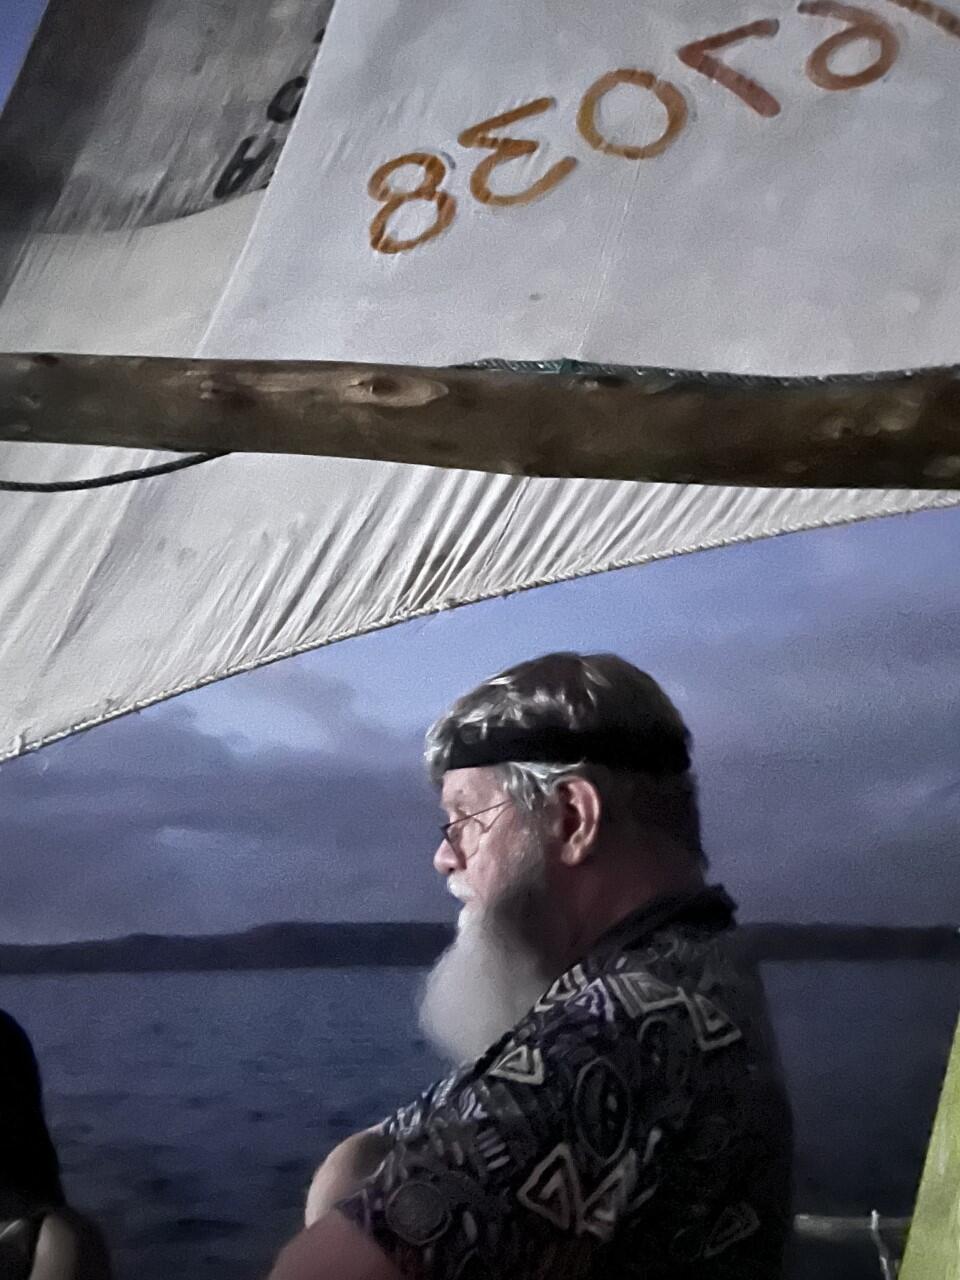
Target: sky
[(18, 21), (818, 673)]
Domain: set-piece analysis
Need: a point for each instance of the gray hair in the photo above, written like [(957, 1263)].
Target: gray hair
[(588, 693)]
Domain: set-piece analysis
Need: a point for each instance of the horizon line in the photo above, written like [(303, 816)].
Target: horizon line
[(450, 926)]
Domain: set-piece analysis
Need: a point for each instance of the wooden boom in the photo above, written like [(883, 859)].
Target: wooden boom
[(888, 431)]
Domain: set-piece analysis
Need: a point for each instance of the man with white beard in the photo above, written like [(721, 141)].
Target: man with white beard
[(494, 957), (616, 1107)]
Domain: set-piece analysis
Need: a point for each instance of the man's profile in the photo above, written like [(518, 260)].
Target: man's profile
[(616, 1108)]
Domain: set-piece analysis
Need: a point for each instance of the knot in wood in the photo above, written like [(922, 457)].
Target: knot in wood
[(392, 390)]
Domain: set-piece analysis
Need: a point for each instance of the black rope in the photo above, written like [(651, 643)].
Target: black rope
[(100, 482)]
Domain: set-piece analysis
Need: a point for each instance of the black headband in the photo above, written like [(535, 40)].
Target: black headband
[(650, 751)]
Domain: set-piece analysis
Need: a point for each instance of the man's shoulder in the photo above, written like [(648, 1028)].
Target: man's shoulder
[(654, 1012), (688, 984), (664, 972), (611, 996)]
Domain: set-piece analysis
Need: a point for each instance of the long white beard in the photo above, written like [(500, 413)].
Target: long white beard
[(490, 976)]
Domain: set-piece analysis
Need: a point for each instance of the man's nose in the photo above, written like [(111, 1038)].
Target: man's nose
[(445, 859)]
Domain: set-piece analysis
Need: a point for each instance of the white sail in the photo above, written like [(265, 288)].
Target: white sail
[(117, 598)]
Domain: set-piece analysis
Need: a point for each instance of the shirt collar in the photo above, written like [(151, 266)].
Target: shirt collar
[(709, 906)]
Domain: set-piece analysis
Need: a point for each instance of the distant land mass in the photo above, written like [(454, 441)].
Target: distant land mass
[(300, 945)]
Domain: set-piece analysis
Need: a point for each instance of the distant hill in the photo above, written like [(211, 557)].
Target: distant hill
[(307, 946), (292, 945), (771, 942)]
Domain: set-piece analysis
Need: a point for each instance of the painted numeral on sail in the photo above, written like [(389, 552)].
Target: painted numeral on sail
[(434, 172), (862, 25), (667, 94), (935, 13), (242, 167), (507, 149), (699, 56), (286, 101)]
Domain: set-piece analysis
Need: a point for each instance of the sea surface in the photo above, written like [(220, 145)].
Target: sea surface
[(190, 1109)]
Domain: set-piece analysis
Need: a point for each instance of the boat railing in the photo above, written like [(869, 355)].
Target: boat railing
[(888, 1235)]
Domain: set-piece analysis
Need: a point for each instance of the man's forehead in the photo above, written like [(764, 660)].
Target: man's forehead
[(465, 787)]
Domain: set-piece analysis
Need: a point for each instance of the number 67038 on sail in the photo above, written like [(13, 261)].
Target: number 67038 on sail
[(702, 56)]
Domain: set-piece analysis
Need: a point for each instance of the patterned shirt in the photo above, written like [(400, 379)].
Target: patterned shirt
[(633, 1125)]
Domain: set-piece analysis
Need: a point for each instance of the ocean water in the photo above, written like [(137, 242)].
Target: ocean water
[(189, 1110)]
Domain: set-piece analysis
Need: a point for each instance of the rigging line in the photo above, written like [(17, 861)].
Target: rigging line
[(100, 482)]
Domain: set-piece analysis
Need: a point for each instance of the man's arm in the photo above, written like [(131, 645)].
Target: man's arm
[(333, 1249), (345, 1168), (70, 1247)]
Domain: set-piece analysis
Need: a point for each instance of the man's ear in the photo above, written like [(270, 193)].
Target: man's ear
[(580, 810)]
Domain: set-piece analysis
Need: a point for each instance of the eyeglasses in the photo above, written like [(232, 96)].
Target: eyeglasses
[(452, 836)]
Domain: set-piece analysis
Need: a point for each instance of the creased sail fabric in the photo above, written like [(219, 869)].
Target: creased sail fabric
[(117, 598)]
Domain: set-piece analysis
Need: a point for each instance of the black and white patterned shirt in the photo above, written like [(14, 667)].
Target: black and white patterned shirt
[(633, 1124)]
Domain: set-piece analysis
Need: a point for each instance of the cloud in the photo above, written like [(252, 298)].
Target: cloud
[(151, 824), (827, 727)]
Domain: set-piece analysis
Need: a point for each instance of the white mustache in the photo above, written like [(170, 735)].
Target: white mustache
[(458, 889)]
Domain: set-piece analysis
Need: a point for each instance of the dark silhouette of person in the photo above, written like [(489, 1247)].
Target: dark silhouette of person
[(41, 1237)]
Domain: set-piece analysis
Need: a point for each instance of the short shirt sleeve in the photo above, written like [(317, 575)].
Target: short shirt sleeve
[(521, 1166)]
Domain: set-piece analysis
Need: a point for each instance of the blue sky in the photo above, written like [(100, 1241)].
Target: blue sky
[(18, 21), (818, 672)]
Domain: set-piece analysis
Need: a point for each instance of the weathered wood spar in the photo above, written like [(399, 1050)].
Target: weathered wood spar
[(896, 431)]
